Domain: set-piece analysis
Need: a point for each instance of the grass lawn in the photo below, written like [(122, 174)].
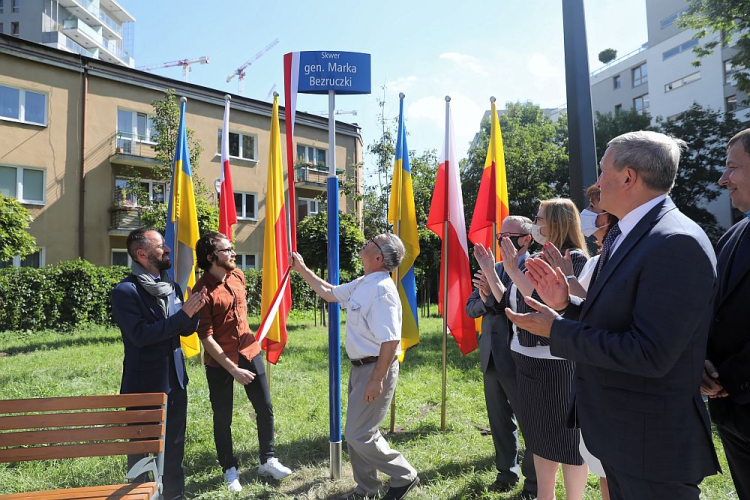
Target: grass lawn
[(455, 464)]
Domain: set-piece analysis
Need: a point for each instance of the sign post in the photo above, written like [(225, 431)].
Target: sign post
[(331, 72)]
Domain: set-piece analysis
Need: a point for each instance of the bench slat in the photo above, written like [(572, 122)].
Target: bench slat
[(133, 491), (81, 402), (81, 419), (81, 450), (77, 435)]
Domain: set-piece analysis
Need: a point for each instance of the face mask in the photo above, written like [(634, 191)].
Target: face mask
[(536, 233), (588, 222), (514, 240)]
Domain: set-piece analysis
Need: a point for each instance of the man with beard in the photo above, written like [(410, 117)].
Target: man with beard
[(148, 308), (232, 354)]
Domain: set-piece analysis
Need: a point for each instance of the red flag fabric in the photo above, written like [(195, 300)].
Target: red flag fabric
[(448, 205), (227, 209)]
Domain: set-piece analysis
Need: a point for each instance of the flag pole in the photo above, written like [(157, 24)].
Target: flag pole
[(495, 243), (401, 96), (445, 259)]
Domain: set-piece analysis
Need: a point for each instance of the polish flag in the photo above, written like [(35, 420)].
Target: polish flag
[(227, 210), (448, 206)]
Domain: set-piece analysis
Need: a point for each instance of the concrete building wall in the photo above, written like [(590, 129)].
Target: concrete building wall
[(605, 97), (660, 15)]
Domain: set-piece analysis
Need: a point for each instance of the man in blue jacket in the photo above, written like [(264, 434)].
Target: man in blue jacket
[(148, 308)]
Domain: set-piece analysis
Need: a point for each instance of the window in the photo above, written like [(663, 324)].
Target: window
[(731, 103), (1, 6), (35, 259), (616, 82), (618, 108), (246, 261), (24, 184), (133, 126), (152, 193), (682, 81), (120, 257), (23, 105), (246, 205), (640, 75), (307, 206), (15, 29), (15, 6), (309, 154), (679, 49), (729, 72), (641, 103), (241, 146), (668, 21), (1, 28)]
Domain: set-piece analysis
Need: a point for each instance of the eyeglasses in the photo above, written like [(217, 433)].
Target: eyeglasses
[(537, 218), (226, 250), (511, 235), (372, 240)]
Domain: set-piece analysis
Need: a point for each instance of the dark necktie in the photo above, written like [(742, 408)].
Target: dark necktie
[(612, 235)]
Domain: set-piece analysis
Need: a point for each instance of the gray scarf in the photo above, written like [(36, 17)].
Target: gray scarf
[(159, 289)]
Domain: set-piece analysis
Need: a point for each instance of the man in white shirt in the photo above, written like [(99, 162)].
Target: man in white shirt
[(373, 341), (639, 337)]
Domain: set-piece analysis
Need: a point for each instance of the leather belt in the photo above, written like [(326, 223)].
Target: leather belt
[(364, 361)]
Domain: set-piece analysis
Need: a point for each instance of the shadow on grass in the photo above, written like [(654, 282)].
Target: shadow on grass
[(429, 352), (72, 341)]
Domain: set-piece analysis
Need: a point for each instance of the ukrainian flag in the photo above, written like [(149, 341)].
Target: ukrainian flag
[(182, 225), (403, 216)]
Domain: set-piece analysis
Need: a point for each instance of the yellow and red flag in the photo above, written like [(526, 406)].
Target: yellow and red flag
[(492, 200), (275, 253)]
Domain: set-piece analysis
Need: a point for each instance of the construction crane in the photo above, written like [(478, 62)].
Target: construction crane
[(185, 63), (240, 72), (341, 112)]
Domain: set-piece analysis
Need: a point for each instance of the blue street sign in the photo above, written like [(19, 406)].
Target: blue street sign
[(342, 72)]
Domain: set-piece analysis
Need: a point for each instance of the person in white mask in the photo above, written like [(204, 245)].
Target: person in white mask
[(596, 222)]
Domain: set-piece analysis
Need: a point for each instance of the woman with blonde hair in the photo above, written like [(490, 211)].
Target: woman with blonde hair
[(544, 381)]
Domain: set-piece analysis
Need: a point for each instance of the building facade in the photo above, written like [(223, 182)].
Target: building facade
[(659, 78), (100, 29), (73, 128)]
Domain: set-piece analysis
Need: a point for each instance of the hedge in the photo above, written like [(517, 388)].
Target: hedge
[(65, 295)]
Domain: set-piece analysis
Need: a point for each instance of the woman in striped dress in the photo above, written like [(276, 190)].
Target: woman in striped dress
[(544, 381)]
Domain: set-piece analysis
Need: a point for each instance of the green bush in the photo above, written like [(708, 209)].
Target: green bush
[(302, 295), (60, 296)]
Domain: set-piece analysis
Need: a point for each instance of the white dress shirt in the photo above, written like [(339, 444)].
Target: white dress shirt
[(632, 218), (373, 313)]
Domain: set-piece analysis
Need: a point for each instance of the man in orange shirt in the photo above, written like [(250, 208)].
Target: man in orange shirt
[(232, 354)]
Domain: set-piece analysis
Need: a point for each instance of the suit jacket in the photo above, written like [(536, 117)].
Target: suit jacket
[(153, 356), (494, 341), (729, 341), (638, 344)]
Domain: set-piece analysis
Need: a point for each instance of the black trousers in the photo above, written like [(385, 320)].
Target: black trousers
[(625, 487), (174, 449), (733, 423), (221, 393)]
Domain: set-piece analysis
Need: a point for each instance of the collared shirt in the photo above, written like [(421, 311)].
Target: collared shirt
[(225, 316), (632, 218), (373, 314)]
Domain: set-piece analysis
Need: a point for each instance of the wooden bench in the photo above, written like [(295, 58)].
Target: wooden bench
[(88, 426)]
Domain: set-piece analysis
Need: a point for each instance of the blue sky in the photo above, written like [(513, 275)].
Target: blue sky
[(470, 50)]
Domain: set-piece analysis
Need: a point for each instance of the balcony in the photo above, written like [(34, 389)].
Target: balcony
[(90, 39), (313, 177), (132, 149), (58, 40), (123, 219), (93, 15)]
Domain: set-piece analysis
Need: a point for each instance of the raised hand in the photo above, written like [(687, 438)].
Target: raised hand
[(481, 284), (555, 259), (508, 252), (549, 283), (538, 323), (296, 261), (484, 258), (195, 301)]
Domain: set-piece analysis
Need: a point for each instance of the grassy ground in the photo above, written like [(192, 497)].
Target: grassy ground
[(456, 464)]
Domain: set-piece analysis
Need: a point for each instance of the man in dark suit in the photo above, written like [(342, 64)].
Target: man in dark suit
[(639, 337), (726, 379), (148, 308), (498, 367)]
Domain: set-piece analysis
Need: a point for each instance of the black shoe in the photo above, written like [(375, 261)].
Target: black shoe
[(527, 495), (358, 496), (399, 492), (501, 486)]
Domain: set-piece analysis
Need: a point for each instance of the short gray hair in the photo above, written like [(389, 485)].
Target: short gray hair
[(654, 156), (393, 251), (524, 222)]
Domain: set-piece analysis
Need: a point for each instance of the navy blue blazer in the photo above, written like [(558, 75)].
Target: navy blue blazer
[(729, 341), (153, 357), (639, 340), (494, 341)]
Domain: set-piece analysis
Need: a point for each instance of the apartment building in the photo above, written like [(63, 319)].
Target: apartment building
[(72, 127), (659, 78)]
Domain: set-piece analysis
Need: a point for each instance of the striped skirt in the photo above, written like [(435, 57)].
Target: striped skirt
[(544, 387)]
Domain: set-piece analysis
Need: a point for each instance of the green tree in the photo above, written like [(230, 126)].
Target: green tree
[(608, 126), (14, 235), (166, 124), (729, 20), (312, 242), (607, 55), (536, 160), (376, 197), (706, 132)]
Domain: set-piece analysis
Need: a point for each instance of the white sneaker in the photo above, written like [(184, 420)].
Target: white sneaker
[(232, 478), (274, 469)]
